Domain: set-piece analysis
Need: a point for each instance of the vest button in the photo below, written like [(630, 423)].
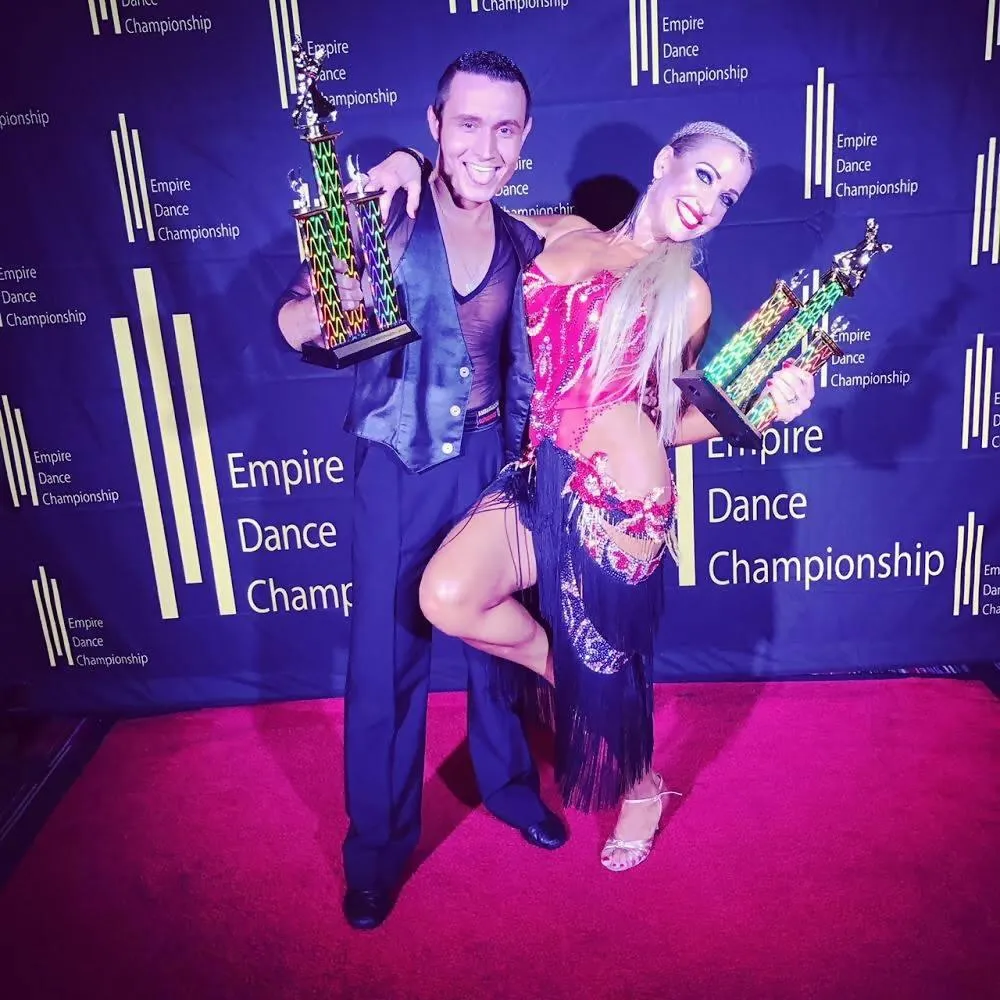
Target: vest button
[(447, 447), (455, 411)]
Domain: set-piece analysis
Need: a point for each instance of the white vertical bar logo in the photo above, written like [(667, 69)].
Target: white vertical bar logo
[(819, 135), (992, 29), (986, 208), (50, 616), (968, 566), (807, 290), (17, 462), (285, 28), (644, 40), (101, 11), (978, 397), (132, 186)]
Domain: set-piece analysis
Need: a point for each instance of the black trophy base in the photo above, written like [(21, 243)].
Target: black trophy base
[(727, 418), (369, 345)]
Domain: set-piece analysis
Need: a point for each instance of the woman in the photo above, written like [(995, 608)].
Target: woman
[(589, 512)]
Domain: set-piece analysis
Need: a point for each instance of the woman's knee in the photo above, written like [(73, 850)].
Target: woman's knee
[(447, 597)]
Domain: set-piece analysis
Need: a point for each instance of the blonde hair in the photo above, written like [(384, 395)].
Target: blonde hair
[(654, 289)]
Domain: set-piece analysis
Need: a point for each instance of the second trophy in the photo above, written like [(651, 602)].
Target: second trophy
[(728, 390)]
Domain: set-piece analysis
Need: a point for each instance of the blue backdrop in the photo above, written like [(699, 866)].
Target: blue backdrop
[(157, 436)]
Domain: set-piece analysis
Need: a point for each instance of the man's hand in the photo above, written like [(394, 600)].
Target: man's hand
[(792, 390), (299, 323), (397, 170), (298, 319), (351, 293)]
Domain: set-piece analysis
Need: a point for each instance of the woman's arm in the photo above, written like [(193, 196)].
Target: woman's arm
[(551, 227), (694, 426)]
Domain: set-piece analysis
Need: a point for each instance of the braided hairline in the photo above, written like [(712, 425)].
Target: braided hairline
[(712, 129)]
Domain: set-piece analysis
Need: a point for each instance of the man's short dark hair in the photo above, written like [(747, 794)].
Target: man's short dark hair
[(493, 65)]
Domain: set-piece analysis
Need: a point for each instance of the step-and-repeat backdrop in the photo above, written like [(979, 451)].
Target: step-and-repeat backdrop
[(175, 497)]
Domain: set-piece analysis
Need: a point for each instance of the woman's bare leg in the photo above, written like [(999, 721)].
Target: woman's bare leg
[(467, 589)]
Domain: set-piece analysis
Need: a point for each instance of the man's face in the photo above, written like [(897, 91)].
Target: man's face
[(481, 132)]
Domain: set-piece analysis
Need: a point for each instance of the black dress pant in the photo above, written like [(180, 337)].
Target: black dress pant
[(400, 520)]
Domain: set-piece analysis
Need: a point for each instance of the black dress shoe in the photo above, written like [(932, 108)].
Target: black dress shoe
[(365, 909), (548, 833)]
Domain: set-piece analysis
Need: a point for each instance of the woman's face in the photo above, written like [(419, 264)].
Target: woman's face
[(692, 191)]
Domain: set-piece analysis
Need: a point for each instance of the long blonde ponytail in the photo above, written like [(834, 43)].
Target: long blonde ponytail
[(654, 289)]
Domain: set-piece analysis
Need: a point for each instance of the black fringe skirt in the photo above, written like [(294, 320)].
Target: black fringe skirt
[(601, 626)]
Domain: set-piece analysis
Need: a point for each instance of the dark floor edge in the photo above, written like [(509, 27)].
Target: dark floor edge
[(42, 781), (989, 674)]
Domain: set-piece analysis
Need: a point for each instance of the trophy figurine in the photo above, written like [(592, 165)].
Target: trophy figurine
[(324, 233), (728, 389)]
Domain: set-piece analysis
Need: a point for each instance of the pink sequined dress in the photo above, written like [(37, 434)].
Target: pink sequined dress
[(600, 603)]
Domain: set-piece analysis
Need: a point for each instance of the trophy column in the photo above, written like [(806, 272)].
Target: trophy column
[(324, 228), (727, 390), (743, 387), (391, 328), (814, 355), (329, 237), (743, 344)]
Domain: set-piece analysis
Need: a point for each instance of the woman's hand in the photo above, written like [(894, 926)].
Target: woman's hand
[(792, 390)]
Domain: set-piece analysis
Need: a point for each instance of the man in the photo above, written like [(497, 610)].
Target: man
[(435, 420)]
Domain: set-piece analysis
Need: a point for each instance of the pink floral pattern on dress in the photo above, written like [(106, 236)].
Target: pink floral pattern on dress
[(562, 325), (603, 505)]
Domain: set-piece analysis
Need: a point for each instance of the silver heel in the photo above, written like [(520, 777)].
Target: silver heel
[(635, 851)]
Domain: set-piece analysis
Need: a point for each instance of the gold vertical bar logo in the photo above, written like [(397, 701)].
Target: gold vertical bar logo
[(285, 28), (18, 464), (968, 566), (172, 452), (48, 603), (986, 207), (818, 167), (687, 573), (166, 418), (644, 40), (208, 486), (149, 494), (132, 186), (978, 395)]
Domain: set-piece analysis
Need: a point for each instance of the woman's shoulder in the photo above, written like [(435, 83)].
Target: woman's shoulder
[(699, 297), (577, 254)]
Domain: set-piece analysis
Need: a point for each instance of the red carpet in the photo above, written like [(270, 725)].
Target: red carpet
[(835, 840)]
